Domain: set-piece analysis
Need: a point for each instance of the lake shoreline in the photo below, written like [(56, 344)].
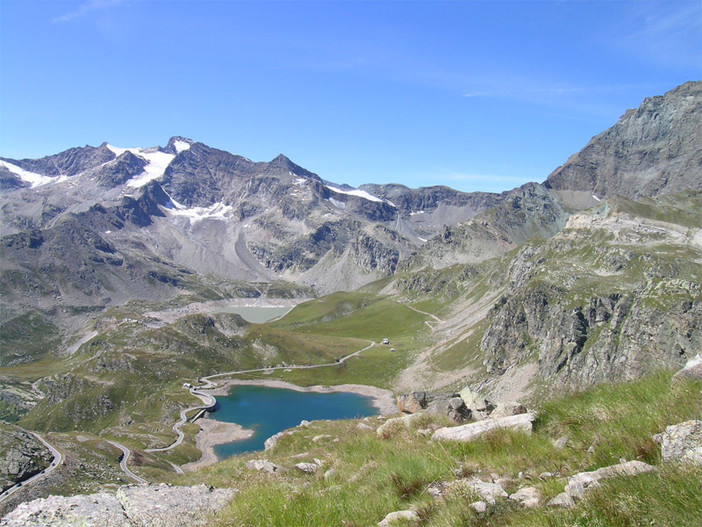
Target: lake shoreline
[(214, 432)]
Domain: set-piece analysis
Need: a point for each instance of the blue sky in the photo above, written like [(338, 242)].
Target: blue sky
[(474, 95)]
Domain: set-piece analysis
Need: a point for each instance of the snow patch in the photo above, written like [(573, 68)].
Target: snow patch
[(421, 239), (216, 211), (596, 198), (119, 151), (181, 146), (355, 192), (157, 162), (299, 181), (415, 213), (338, 204), (34, 179)]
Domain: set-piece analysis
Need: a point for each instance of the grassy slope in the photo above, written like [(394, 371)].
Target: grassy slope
[(374, 476)]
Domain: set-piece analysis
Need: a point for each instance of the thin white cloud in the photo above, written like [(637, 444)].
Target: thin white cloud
[(86, 8), (663, 33)]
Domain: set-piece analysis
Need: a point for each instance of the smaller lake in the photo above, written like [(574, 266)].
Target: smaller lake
[(268, 411), (257, 314)]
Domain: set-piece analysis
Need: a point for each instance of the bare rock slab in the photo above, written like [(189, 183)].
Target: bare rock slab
[(131, 506), (682, 442), (396, 517), (522, 422), (692, 370), (584, 481)]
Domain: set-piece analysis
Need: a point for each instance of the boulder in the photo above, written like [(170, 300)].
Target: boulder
[(529, 497), (450, 405), (478, 405), (487, 491), (399, 516), (584, 481), (263, 465), (411, 403), (309, 468), (682, 442), (505, 409), (562, 500), (479, 506), (468, 432), (692, 370)]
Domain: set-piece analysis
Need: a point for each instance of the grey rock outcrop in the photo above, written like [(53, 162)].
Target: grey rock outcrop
[(486, 490), (692, 370), (21, 456), (463, 433), (398, 517), (450, 405), (580, 483), (131, 506), (682, 442), (529, 497), (263, 465)]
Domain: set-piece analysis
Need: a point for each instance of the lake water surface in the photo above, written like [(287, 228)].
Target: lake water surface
[(268, 411)]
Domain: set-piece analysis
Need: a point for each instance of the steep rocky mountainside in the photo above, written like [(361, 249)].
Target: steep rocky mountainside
[(652, 150), (21, 456), (615, 295)]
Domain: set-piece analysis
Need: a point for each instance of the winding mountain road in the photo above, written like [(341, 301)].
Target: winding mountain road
[(123, 462), (209, 403), (58, 459)]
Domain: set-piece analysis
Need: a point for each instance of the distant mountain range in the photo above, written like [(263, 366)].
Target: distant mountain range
[(99, 226)]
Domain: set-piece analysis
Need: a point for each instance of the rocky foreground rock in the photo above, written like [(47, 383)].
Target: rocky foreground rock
[(131, 506)]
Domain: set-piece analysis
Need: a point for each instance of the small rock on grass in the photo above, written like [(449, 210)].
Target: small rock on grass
[(263, 465), (529, 497), (562, 500), (398, 516)]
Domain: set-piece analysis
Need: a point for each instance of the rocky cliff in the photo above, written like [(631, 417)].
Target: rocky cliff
[(21, 456), (652, 150)]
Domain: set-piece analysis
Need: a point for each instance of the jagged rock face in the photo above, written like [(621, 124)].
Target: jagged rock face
[(21, 456), (652, 151), (615, 295), (528, 212), (68, 163), (131, 506)]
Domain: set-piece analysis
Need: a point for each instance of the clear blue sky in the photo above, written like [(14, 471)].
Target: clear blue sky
[(474, 95)]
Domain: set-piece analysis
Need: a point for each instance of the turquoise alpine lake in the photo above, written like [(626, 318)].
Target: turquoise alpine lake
[(268, 411)]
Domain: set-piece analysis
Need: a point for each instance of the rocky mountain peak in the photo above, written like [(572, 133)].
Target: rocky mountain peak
[(177, 144), (653, 150)]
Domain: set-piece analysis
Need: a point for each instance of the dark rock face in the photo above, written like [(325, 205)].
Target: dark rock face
[(21, 456), (121, 170), (601, 301), (68, 163), (652, 151)]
